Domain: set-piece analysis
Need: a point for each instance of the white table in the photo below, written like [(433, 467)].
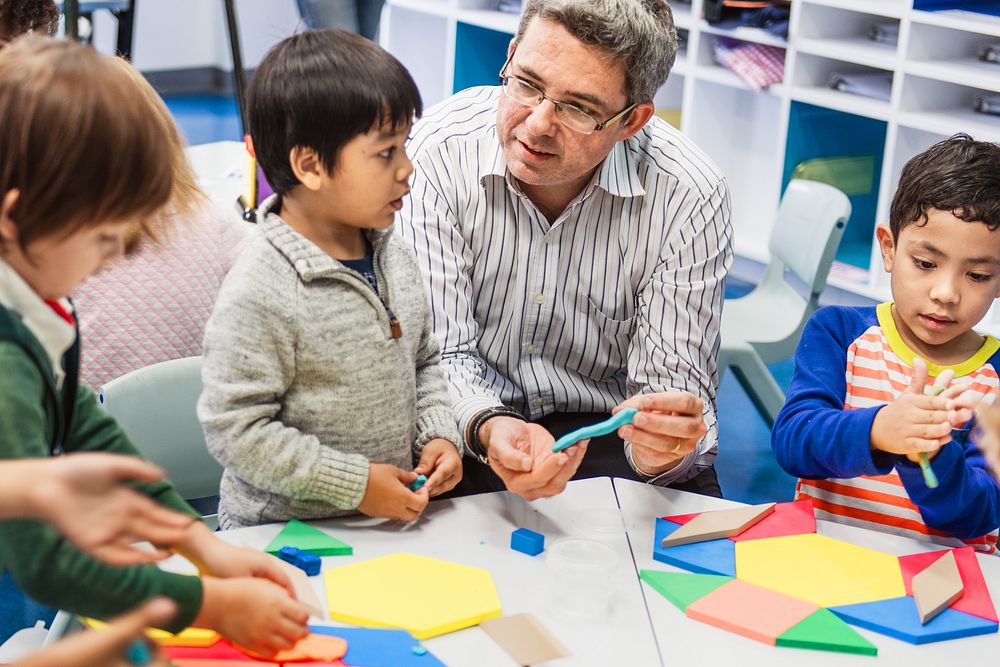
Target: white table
[(683, 641), (476, 531)]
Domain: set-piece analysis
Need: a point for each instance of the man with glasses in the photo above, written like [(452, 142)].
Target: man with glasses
[(574, 249)]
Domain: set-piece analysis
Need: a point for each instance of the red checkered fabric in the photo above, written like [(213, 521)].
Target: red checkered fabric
[(758, 65)]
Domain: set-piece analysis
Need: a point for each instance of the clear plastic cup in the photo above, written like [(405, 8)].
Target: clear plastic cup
[(581, 576)]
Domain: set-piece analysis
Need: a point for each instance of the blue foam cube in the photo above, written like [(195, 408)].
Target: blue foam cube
[(527, 541), (305, 561)]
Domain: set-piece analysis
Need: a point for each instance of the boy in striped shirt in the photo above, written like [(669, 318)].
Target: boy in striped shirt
[(861, 407)]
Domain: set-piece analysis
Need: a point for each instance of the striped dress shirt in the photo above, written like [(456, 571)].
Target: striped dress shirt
[(621, 294)]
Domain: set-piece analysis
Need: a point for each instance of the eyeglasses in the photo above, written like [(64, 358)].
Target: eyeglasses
[(567, 113)]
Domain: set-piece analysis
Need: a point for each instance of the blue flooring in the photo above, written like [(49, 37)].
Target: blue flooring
[(206, 118)]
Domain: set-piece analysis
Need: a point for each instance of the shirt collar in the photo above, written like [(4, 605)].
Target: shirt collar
[(54, 333)]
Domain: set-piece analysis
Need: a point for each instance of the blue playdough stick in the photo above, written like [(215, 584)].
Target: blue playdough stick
[(138, 653), (930, 479), (611, 425), (417, 483)]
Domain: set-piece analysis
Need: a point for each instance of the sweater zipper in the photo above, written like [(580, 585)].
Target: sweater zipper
[(395, 328)]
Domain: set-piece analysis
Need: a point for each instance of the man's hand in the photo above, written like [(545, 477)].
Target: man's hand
[(86, 498), (666, 429), (441, 463), (521, 455)]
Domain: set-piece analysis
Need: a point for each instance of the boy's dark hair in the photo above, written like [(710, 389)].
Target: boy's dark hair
[(320, 89), (78, 139), (19, 17), (959, 175)]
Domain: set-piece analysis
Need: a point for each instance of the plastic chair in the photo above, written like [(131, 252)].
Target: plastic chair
[(155, 406), (765, 325)]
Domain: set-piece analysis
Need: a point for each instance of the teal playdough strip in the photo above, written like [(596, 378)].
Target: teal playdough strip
[(611, 425)]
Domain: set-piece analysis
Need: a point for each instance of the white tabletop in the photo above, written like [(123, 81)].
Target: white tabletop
[(476, 531), (683, 641)]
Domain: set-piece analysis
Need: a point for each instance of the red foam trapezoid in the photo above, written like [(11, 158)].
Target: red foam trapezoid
[(975, 599), (792, 518)]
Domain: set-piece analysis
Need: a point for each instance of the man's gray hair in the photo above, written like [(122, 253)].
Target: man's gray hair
[(639, 34)]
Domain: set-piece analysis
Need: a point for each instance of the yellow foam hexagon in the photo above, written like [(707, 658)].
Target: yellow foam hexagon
[(426, 596), (819, 569)]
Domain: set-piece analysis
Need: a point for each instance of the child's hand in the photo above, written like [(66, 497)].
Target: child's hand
[(442, 464), (388, 496), (84, 496), (253, 613), (109, 647), (216, 558), (916, 423)]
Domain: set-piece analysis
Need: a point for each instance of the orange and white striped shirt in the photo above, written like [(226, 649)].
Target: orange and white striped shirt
[(880, 491)]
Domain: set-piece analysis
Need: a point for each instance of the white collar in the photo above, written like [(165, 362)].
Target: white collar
[(54, 333)]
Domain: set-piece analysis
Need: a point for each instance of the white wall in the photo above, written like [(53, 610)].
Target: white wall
[(188, 34)]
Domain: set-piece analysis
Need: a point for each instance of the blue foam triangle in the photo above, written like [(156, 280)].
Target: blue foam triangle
[(712, 557), (898, 617), (377, 647)]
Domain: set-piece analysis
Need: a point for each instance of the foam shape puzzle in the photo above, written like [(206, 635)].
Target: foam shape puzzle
[(379, 593), (418, 483), (524, 639), (304, 591), (936, 587), (309, 539), (610, 425), (898, 618), (305, 561), (975, 599), (312, 647), (825, 631), (719, 523), (186, 637), (791, 518), (378, 647), (527, 541), (221, 650), (819, 569), (751, 611), (682, 588), (712, 557)]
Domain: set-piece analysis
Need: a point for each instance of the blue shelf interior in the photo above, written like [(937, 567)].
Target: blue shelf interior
[(817, 132), (991, 7), (479, 55)]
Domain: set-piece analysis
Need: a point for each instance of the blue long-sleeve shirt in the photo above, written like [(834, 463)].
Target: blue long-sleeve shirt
[(849, 364)]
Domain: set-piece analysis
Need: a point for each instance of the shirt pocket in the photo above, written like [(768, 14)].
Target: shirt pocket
[(609, 353)]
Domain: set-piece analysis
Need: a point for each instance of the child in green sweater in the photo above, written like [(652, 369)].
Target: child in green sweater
[(82, 162)]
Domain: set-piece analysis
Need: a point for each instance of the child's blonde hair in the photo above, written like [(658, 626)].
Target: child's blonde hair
[(79, 140)]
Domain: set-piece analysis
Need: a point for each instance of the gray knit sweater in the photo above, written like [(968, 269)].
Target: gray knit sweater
[(304, 384)]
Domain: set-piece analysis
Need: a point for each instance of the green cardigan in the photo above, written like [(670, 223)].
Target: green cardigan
[(45, 565)]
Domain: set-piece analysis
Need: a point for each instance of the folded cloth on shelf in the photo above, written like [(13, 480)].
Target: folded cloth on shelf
[(988, 104), (884, 32), (877, 85), (758, 65), (990, 53)]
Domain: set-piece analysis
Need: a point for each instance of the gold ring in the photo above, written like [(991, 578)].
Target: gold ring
[(677, 446)]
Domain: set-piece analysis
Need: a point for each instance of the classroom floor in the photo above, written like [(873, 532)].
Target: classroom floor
[(747, 470)]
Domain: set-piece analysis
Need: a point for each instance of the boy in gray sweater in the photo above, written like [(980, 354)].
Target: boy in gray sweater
[(323, 393)]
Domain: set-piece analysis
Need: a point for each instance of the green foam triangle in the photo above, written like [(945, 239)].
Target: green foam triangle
[(682, 588), (824, 631), (297, 534)]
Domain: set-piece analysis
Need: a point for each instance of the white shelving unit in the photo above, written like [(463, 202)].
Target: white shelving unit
[(757, 138)]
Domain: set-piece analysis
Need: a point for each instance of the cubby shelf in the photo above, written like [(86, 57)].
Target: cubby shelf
[(931, 78)]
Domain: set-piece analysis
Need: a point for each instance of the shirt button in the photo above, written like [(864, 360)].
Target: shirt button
[(547, 238), (531, 348), (539, 401), (539, 299)]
